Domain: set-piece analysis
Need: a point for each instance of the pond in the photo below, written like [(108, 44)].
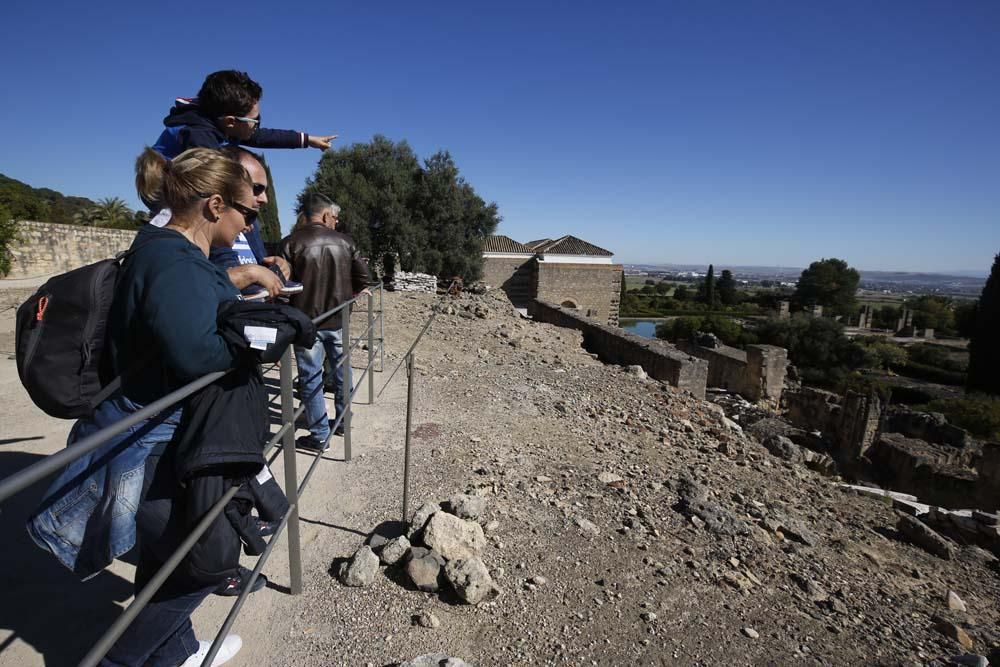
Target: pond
[(644, 328)]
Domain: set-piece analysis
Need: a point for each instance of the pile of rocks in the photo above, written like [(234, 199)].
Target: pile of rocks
[(404, 281), (441, 551)]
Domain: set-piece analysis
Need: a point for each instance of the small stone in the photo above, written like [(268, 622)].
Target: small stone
[(543, 478), (361, 569), (492, 526), (610, 478), (648, 616), (588, 527), (751, 633), (953, 631), (923, 536), (969, 660), (394, 550), (470, 579), (421, 516), (956, 603), (426, 619), (465, 506), (454, 538), (423, 572), (538, 580), (377, 541)]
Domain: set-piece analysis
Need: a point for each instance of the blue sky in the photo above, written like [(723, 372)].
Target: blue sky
[(739, 132)]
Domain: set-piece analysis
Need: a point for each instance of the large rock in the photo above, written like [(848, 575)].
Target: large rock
[(470, 579), (923, 536), (465, 506), (394, 550), (424, 571), (420, 517), (454, 538), (694, 502), (361, 569)]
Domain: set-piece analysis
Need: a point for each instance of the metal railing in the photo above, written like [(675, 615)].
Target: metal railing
[(285, 434)]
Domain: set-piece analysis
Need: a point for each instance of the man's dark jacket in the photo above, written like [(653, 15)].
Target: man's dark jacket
[(328, 266), (221, 441)]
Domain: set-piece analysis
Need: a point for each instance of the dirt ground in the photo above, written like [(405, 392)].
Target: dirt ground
[(661, 535)]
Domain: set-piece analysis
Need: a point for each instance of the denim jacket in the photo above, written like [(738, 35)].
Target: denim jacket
[(87, 517)]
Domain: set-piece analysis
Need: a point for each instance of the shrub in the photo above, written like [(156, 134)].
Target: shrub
[(8, 234), (920, 371), (817, 346), (978, 414)]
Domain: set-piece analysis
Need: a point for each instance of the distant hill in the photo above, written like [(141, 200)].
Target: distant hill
[(42, 204)]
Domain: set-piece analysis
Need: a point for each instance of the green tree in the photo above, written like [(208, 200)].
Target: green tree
[(8, 234), (984, 352), (933, 312), (830, 283), (706, 292), (726, 289), (817, 346), (270, 226), (112, 212), (886, 317), (965, 318), (390, 203), (725, 328), (681, 293)]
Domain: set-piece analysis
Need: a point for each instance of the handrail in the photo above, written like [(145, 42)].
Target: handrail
[(294, 490)]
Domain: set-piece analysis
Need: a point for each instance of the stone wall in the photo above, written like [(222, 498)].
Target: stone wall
[(593, 289), (989, 476), (514, 275), (932, 473), (757, 373), (46, 248), (612, 345)]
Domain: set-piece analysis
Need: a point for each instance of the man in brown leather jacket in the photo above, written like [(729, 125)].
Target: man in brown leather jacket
[(327, 264)]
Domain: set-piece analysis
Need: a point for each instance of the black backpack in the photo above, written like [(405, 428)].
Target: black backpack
[(62, 339)]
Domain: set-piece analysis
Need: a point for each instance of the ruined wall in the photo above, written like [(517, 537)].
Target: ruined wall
[(813, 409), (929, 426), (46, 248), (989, 477), (932, 473), (757, 373), (593, 288), (660, 360)]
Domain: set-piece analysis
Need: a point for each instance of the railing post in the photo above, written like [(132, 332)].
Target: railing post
[(291, 474), (371, 348), (406, 446), (347, 387), (381, 328)]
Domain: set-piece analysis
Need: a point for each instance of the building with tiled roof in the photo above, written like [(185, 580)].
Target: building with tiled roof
[(567, 271), (498, 244)]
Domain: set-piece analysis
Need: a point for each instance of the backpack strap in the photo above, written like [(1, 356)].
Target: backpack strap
[(112, 387)]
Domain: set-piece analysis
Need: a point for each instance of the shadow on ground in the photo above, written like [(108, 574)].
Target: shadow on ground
[(44, 604)]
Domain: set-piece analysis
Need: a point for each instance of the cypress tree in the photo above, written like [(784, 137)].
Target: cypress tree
[(710, 286), (270, 226), (984, 352)]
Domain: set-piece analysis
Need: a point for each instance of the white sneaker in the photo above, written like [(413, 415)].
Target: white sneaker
[(231, 645)]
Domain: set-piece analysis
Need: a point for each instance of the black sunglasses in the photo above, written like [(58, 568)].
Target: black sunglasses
[(249, 214), (258, 189)]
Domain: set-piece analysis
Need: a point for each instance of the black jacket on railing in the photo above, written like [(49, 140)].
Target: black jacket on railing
[(222, 435)]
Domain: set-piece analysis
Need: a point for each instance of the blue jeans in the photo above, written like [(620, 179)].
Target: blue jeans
[(87, 517), (329, 342)]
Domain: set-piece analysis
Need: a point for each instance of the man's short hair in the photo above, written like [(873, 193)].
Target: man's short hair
[(314, 204), (228, 93), (238, 154)]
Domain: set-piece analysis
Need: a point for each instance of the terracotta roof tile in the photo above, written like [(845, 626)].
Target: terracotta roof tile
[(571, 245), (501, 243)]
